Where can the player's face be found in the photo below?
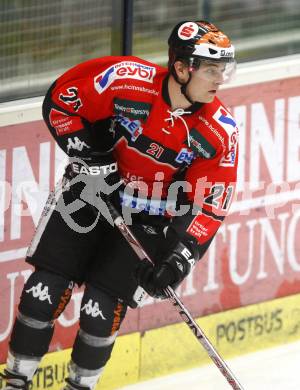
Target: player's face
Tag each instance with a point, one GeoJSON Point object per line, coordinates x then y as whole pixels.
{"type": "Point", "coordinates": [206, 81]}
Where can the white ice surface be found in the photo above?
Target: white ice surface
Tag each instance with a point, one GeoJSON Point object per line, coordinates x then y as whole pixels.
{"type": "Point", "coordinates": [270, 369]}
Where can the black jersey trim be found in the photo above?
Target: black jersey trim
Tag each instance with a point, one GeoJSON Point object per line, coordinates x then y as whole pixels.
{"type": "Point", "coordinates": [143, 143]}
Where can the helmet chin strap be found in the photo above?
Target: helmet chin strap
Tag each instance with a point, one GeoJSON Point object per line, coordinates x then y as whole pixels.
{"type": "Point", "coordinates": [184, 87]}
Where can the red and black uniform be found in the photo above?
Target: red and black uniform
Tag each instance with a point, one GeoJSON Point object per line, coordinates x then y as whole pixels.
{"type": "Point", "coordinates": [154, 146]}
{"type": "Point", "coordinates": [158, 151]}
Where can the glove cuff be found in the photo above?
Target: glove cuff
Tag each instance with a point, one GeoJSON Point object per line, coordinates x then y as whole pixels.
{"type": "Point", "coordinates": [175, 267]}
{"type": "Point", "coordinates": [186, 256]}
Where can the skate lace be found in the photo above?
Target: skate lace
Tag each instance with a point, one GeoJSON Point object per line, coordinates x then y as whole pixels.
{"type": "Point", "coordinates": [177, 114]}
{"type": "Point", "coordinates": [15, 381]}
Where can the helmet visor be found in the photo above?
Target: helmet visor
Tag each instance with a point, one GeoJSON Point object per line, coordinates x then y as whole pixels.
{"type": "Point", "coordinates": [221, 72]}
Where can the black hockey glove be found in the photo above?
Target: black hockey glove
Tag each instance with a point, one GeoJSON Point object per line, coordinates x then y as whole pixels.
{"type": "Point", "coordinates": [93, 176]}
{"type": "Point", "coordinates": [171, 272]}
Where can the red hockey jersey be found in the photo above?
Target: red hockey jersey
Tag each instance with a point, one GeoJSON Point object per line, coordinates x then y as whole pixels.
{"type": "Point", "coordinates": [154, 144]}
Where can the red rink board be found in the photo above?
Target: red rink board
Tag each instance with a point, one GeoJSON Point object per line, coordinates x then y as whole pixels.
{"type": "Point", "coordinates": [256, 253]}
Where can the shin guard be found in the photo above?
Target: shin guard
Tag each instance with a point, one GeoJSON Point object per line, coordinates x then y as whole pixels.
{"type": "Point", "coordinates": [43, 297]}
{"type": "Point", "coordinates": [100, 320]}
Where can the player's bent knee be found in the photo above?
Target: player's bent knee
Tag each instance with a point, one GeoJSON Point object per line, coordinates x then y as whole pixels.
{"type": "Point", "coordinates": [100, 314]}
{"type": "Point", "coordinates": [45, 295]}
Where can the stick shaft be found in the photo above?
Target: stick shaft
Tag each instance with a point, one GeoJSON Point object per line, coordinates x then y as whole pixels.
{"type": "Point", "coordinates": [182, 310]}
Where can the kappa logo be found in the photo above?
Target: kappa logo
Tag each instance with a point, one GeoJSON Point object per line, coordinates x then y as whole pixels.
{"type": "Point", "coordinates": [40, 292]}
{"type": "Point", "coordinates": [76, 144]}
{"type": "Point", "coordinates": [93, 309]}
{"type": "Point", "coordinates": [124, 70]}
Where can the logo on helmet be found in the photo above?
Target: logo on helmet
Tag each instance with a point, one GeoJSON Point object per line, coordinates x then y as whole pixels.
{"type": "Point", "coordinates": [227, 53]}
{"type": "Point", "coordinates": [188, 30]}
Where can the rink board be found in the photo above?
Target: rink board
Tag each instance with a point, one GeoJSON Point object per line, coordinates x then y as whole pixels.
{"type": "Point", "coordinates": [141, 356]}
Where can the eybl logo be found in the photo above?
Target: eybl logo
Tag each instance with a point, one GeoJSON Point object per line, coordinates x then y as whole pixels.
{"type": "Point", "coordinates": [123, 70]}
{"type": "Point", "coordinates": [103, 79]}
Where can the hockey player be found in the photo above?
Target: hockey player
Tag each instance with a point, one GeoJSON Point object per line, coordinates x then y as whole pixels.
{"type": "Point", "coordinates": [150, 135]}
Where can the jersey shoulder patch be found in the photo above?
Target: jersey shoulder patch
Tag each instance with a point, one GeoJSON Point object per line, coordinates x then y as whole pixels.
{"type": "Point", "coordinates": [225, 120]}
{"type": "Point", "coordinates": [200, 145]}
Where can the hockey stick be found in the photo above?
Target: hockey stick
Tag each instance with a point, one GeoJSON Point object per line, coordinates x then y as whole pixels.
{"type": "Point", "coordinates": [182, 310]}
